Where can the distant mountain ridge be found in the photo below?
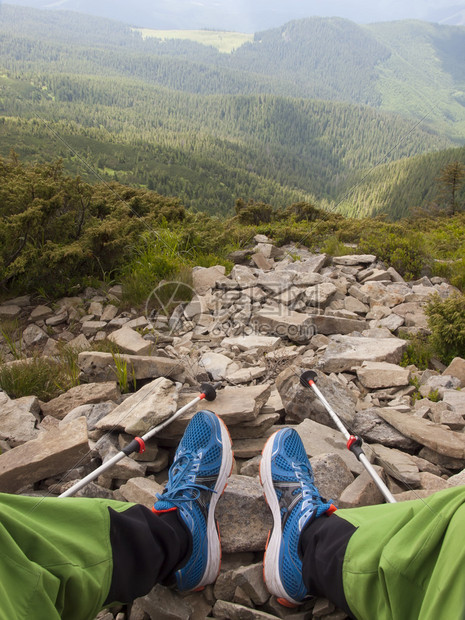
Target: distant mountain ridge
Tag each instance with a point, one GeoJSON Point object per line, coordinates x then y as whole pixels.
{"type": "Point", "coordinates": [247, 17]}
{"type": "Point", "coordinates": [407, 67]}
{"type": "Point", "coordinates": [307, 111]}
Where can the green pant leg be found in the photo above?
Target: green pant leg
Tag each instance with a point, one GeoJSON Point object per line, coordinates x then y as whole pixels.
{"type": "Point", "coordinates": [407, 560]}
{"type": "Point", "coordinates": [55, 557]}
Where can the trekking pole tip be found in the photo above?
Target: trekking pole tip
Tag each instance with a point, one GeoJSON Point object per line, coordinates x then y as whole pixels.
{"type": "Point", "coordinates": [307, 376]}
{"type": "Point", "coordinates": [208, 391]}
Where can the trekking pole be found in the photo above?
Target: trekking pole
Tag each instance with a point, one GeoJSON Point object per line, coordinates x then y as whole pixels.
{"type": "Point", "coordinates": [354, 443]}
{"type": "Point", "coordinates": [208, 392]}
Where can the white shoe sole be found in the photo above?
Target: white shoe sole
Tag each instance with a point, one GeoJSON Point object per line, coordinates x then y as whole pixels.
{"type": "Point", "coordinates": [214, 546]}
{"type": "Point", "coordinates": [271, 573]}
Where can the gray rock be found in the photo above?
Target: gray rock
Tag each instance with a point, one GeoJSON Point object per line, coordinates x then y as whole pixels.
{"type": "Point", "coordinates": [397, 464]}
{"type": "Point", "coordinates": [332, 475]}
{"type": "Point", "coordinates": [87, 393]}
{"type": "Point", "coordinates": [376, 375]}
{"type": "Point", "coordinates": [34, 335]}
{"type": "Point", "coordinates": [235, 405]}
{"type": "Point", "coordinates": [17, 422]}
{"type": "Point", "coordinates": [371, 427]}
{"type": "Point", "coordinates": [301, 402]}
{"type": "Point", "coordinates": [146, 408]}
{"type": "Point", "coordinates": [217, 364]}
{"type": "Point", "coordinates": [295, 326]}
{"type": "Point", "coordinates": [130, 341]}
{"type": "Point", "coordinates": [51, 453]}
{"type": "Point", "coordinates": [440, 460]}
{"type": "Point", "coordinates": [9, 311]}
{"type": "Point", "coordinates": [362, 492]}
{"type": "Point", "coordinates": [165, 604]}
{"type": "Point", "coordinates": [250, 580]}
{"type": "Point", "coordinates": [263, 344]}
{"type": "Point", "coordinates": [243, 516]}
{"type": "Point", "coordinates": [458, 479]}
{"type": "Point", "coordinates": [232, 611]}
{"type": "Point", "coordinates": [346, 352]}
{"type": "Point", "coordinates": [456, 369]}
{"type": "Point", "coordinates": [204, 278]}
{"type": "Point", "coordinates": [92, 412]}
{"type": "Point", "coordinates": [434, 436]}
{"type": "Point", "coordinates": [40, 313]}
{"type": "Point", "coordinates": [90, 328]}
{"type": "Point", "coordinates": [97, 366]}
{"type": "Point", "coordinates": [141, 491]}
{"type": "Point", "coordinates": [329, 325]}
{"type": "Point", "coordinates": [354, 259]}
{"type": "Point", "coordinates": [319, 439]}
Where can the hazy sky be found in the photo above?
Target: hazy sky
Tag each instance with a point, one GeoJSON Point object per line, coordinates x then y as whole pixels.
{"type": "Point", "coordinates": [253, 15]}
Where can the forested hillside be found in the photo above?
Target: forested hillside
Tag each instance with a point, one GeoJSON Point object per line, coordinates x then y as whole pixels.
{"type": "Point", "coordinates": [186, 120]}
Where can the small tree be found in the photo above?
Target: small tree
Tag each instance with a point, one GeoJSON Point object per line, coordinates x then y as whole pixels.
{"type": "Point", "coordinates": [451, 179]}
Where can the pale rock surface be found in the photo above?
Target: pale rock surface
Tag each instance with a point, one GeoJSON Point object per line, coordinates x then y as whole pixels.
{"type": "Point", "coordinates": [144, 409]}
{"type": "Point", "coordinates": [84, 394]}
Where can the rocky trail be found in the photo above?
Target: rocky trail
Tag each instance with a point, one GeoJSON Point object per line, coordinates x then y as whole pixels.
{"type": "Point", "coordinates": [252, 333]}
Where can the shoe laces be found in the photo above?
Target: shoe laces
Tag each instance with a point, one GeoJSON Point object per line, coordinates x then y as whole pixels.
{"type": "Point", "coordinates": [311, 497]}
{"type": "Point", "coordinates": [181, 486]}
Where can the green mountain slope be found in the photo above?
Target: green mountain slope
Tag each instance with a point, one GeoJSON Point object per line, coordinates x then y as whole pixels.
{"type": "Point", "coordinates": [403, 186]}
{"type": "Point", "coordinates": [408, 67]}
{"type": "Point", "coordinates": [208, 150]}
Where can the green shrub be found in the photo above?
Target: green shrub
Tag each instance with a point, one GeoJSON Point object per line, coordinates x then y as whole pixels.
{"type": "Point", "coordinates": [402, 250]}
{"type": "Point", "coordinates": [419, 351]}
{"type": "Point", "coordinates": [253, 212]}
{"type": "Point", "coordinates": [446, 320]}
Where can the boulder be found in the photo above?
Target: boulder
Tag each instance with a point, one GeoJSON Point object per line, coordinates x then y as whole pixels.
{"type": "Point", "coordinates": [346, 352]}
{"type": "Point", "coordinates": [97, 366]}
{"type": "Point", "coordinates": [204, 278]}
{"type": "Point", "coordinates": [146, 408]}
{"type": "Point", "coordinates": [17, 422]}
{"type": "Point", "coordinates": [51, 453]}
{"type": "Point", "coordinates": [376, 375]}
{"type": "Point", "coordinates": [243, 516]}
{"type": "Point", "coordinates": [84, 394]}
{"type": "Point", "coordinates": [434, 436]}
{"type": "Point", "coordinates": [130, 341]}
{"type": "Point", "coordinates": [301, 402]}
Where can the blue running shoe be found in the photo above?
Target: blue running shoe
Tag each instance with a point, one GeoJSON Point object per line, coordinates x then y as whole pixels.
{"type": "Point", "coordinates": [197, 478]}
{"type": "Point", "coordinates": [287, 479]}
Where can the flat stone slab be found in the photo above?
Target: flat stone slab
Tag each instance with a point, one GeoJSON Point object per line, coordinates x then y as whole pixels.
{"type": "Point", "coordinates": [397, 464]}
{"type": "Point", "coordinates": [87, 393]}
{"type": "Point", "coordinates": [234, 405]}
{"type": "Point", "coordinates": [131, 341]}
{"type": "Point", "coordinates": [434, 436]}
{"type": "Point", "coordinates": [376, 375]}
{"type": "Point", "coordinates": [346, 352]}
{"type": "Point", "coordinates": [354, 259]}
{"type": "Point", "coordinates": [329, 325]}
{"type": "Point", "coordinates": [52, 453]}
{"type": "Point", "coordinates": [263, 344]}
{"type": "Point", "coordinates": [97, 366]}
{"type": "Point", "coordinates": [144, 409]}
